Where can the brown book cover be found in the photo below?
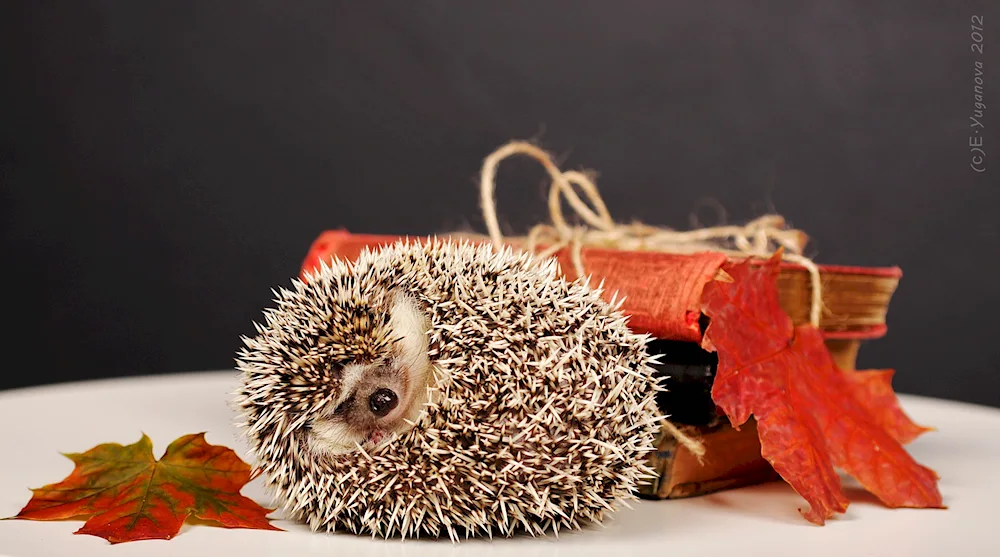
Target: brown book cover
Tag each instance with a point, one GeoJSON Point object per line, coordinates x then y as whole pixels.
{"type": "Point", "coordinates": [732, 459]}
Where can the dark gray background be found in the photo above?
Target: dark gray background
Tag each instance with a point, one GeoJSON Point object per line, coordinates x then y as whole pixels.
{"type": "Point", "coordinates": [164, 164]}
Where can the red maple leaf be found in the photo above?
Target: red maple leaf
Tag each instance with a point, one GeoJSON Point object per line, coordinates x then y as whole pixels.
{"type": "Point", "coordinates": [125, 494]}
{"type": "Point", "coordinates": [811, 416]}
{"type": "Point", "coordinates": [874, 391]}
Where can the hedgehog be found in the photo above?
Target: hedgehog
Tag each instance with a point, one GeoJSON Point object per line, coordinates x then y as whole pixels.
{"type": "Point", "coordinates": [447, 388]}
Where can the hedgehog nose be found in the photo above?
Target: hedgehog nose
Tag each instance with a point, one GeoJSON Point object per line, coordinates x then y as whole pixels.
{"type": "Point", "coordinates": [382, 401]}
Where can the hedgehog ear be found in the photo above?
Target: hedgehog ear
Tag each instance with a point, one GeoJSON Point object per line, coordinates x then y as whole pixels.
{"type": "Point", "coordinates": [409, 325]}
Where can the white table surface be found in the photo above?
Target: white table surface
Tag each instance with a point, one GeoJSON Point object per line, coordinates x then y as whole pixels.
{"type": "Point", "coordinates": [39, 423]}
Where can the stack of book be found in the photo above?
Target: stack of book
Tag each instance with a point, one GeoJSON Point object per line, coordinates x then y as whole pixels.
{"type": "Point", "coordinates": [662, 297]}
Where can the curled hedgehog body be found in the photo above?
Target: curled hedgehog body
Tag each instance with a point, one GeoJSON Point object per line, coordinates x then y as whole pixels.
{"type": "Point", "coordinates": [444, 388]}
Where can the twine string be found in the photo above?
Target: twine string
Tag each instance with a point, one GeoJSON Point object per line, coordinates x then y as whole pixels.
{"type": "Point", "coordinates": [761, 237]}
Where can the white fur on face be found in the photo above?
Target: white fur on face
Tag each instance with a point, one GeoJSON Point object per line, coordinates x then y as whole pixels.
{"type": "Point", "coordinates": [408, 360]}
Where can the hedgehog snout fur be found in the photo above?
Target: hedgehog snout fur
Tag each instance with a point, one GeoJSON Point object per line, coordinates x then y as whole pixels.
{"type": "Point", "coordinates": [381, 399]}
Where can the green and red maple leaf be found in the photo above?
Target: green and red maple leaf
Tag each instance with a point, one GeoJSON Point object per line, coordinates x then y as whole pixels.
{"type": "Point", "coordinates": [125, 494]}
{"type": "Point", "coordinates": [811, 416]}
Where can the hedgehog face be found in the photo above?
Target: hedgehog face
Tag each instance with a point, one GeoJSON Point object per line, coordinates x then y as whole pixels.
{"type": "Point", "coordinates": [382, 397]}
